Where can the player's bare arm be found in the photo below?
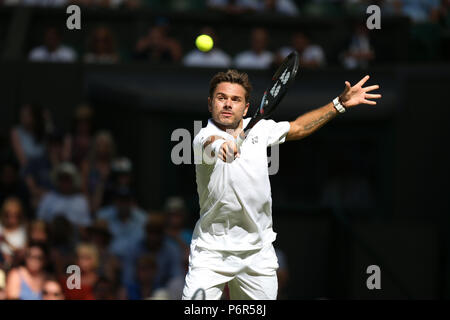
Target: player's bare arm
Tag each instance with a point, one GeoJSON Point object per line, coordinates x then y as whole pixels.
{"type": "Point", "coordinates": [352, 96]}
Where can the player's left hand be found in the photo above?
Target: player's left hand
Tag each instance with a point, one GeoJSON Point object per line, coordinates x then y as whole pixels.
{"type": "Point", "coordinates": [353, 96]}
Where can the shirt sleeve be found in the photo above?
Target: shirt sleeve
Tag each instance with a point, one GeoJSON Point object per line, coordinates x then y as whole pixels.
{"type": "Point", "coordinates": [277, 131]}
{"type": "Point", "coordinates": [197, 145]}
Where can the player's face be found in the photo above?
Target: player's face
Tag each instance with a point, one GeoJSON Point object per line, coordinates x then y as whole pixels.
{"type": "Point", "coordinates": [228, 105]}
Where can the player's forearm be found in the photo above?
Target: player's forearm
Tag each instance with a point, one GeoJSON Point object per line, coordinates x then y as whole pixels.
{"type": "Point", "coordinates": [311, 121]}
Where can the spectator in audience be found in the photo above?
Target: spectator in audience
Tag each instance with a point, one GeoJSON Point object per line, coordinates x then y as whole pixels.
{"type": "Point", "coordinates": [96, 169]}
{"type": "Point", "coordinates": [105, 289]}
{"type": "Point", "coordinates": [360, 51]}
{"type": "Point", "coordinates": [311, 55]}
{"type": "Point", "coordinates": [78, 143]}
{"type": "Point", "coordinates": [12, 186]}
{"type": "Point", "coordinates": [126, 222]}
{"type": "Point", "coordinates": [176, 218]}
{"type": "Point", "coordinates": [215, 58]}
{"type": "Point", "coordinates": [109, 265]}
{"type": "Point", "coordinates": [52, 50]}
{"type": "Point", "coordinates": [66, 200]}
{"type": "Point", "coordinates": [146, 270]}
{"type": "Point", "coordinates": [101, 47]}
{"type": "Point", "coordinates": [37, 172]}
{"type": "Point", "coordinates": [38, 231]}
{"type": "Point", "coordinates": [88, 261]}
{"type": "Point", "coordinates": [121, 177]}
{"type": "Point", "coordinates": [27, 138]}
{"type": "Point", "coordinates": [13, 234]}
{"type": "Point", "coordinates": [176, 285]}
{"type": "Point", "coordinates": [52, 290]}
{"type": "Point", "coordinates": [62, 242]}
{"type": "Point", "coordinates": [168, 254]}
{"type": "Point", "coordinates": [122, 169]}
{"type": "Point", "coordinates": [25, 282]}
{"type": "Point", "coordinates": [258, 57]}
{"type": "Point", "coordinates": [157, 47]}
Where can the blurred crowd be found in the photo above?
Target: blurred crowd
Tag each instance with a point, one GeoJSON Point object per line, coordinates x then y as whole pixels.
{"type": "Point", "coordinates": [430, 21]}
{"type": "Point", "coordinates": [417, 10]}
{"type": "Point", "coordinates": [158, 47]}
{"type": "Point", "coordinates": [68, 199]}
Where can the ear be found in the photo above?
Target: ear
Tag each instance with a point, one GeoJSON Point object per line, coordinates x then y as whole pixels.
{"type": "Point", "coordinates": [246, 108]}
{"type": "Point", "coordinates": [209, 104]}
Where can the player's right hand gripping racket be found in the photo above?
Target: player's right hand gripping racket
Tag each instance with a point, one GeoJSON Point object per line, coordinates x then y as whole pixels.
{"type": "Point", "coordinates": [273, 95]}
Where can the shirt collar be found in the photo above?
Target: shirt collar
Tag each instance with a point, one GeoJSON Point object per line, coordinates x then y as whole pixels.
{"type": "Point", "coordinates": [213, 125]}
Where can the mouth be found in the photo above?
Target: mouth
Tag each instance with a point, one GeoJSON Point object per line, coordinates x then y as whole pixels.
{"type": "Point", "coordinates": [226, 114]}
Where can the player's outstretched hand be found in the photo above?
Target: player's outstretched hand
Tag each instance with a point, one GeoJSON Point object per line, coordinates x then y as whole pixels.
{"type": "Point", "coordinates": [228, 151]}
{"type": "Point", "coordinates": [353, 96]}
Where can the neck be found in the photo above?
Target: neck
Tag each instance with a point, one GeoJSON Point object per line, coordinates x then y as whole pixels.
{"type": "Point", "coordinates": [234, 130]}
{"type": "Point", "coordinates": [33, 273]}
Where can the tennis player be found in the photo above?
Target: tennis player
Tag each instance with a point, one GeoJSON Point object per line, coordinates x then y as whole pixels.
{"type": "Point", "coordinates": [232, 240]}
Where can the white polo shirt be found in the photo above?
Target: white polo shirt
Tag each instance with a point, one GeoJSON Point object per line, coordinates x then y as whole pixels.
{"type": "Point", "coordinates": [235, 198]}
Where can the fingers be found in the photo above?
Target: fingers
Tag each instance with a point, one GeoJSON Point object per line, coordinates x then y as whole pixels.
{"type": "Point", "coordinates": [372, 103]}
{"type": "Point", "coordinates": [363, 80]}
{"type": "Point", "coordinates": [347, 87]}
{"type": "Point", "coordinates": [228, 152]}
{"type": "Point", "coordinates": [370, 88]}
{"type": "Point", "coordinates": [372, 96]}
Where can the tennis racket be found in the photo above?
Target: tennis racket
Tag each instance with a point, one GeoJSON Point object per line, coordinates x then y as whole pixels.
{"type": "Point", "coordinates": [199, 292]}
{"type": "Point", "coordinates": [274, 93]}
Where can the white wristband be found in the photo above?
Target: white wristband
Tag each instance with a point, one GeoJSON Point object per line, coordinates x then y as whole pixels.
{"type": "Point", "coordinates": [208, 157]}
{"type": "Point", "coordinates": [216, 145]}
{"type": "Point", "coordinates": [338, 105]}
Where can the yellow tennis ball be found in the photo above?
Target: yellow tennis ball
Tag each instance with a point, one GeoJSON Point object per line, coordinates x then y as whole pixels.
{"type": "Point", "coordinates": [204, 43]}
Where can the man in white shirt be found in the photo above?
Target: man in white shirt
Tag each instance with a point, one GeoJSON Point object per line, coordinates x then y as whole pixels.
{"type": "Point", "coordinates": [232, 240]}
{"type": "Point", "coordinates": [67, 200]}
{"type": "Point", "coordinates": [258, 57]}
{"type": "Point", "coordinates": [52, 50]}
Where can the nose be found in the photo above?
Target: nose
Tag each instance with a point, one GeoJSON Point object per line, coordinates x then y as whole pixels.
{"type": "Point", "coordinates": [228, 103]}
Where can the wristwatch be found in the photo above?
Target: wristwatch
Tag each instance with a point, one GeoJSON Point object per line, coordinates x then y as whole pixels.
{"type": "Point", "coordinates": [338, 105]}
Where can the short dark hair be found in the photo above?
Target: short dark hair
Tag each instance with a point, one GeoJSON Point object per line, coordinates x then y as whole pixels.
{"type": "Point", "coordinates": [232, 76]}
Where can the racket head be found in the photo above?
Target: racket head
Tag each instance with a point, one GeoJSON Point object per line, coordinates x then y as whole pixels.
{"type": "Point", "coordinates": [281, 80]}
